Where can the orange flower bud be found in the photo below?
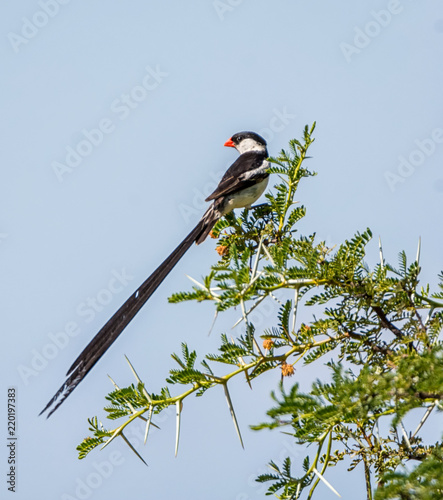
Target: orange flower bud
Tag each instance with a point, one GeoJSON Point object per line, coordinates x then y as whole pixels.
{"type": "Point", "coordinates": [222, 250]}
{"type": "Point", "coordinates": [287, 370]}
{"type": "Point", "coordinates": [268, 344]}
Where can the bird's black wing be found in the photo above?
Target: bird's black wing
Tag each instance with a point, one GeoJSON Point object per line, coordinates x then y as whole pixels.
{"type": "Point", "coordinates": [240, 175]}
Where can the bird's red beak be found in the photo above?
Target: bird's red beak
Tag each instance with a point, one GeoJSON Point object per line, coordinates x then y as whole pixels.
{"type": "Point", "coordinates": [229, 143]}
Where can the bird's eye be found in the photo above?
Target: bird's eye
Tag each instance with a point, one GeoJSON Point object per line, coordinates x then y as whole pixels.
{"type": "Point", "coordinates": [239, 138]}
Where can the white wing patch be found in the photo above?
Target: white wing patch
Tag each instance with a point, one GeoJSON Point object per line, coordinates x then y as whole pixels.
{"type": "Point", "coordinates": [257, 171]}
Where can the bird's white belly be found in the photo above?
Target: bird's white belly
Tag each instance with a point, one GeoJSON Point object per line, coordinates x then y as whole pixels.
{"type": "Point", "coordinates": [246, 197]}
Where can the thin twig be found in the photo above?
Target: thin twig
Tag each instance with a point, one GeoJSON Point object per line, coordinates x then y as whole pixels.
{"type": "Point", "coordinates": [367, 479]}
{"type": "Point", "coordinates": [386, 323]}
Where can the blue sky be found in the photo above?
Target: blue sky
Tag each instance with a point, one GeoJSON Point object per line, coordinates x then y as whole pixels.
{"type": "Point", "coordinates": [113, 121]}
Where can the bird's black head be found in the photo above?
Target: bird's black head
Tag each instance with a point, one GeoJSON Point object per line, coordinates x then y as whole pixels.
{"type": "Point", "coordinates": [240, 136]}
{"type": "Point", "coordinates": [246, 141]}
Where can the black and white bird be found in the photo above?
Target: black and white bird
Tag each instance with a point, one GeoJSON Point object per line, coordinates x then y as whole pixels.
{"type": "Point", "coordinates": [242, 184]}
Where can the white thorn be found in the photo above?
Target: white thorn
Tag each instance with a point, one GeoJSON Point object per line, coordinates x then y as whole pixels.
{"type": "Point", "coordinates": [328, 484]}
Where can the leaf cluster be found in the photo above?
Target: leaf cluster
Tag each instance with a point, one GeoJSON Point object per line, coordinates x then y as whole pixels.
{"type": "Point", "coordinates": [375, 328]}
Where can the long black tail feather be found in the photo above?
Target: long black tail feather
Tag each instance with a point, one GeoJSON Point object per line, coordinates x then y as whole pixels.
{"type": "Point", "coordinates": [118, 322]}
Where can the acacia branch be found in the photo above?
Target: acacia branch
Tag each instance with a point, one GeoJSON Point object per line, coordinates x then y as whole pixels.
{"type": "Point", "coordinates": [386, 323]}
